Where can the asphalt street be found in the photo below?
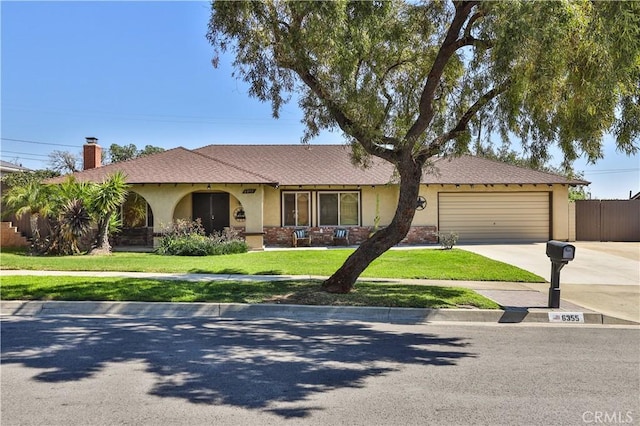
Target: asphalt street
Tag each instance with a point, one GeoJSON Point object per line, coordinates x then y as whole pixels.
{"type": "Point", "coordinates": [175, 371]}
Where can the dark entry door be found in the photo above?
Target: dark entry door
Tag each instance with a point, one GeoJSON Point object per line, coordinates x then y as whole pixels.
{"type": "Point", "coordinates": [212, 209]}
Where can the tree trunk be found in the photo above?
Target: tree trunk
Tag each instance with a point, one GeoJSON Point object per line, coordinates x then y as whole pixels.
{"type": "Point", "coordinates": [343, 280]}
{"type": "Point", "coordinates": [35, 230]}
{"type": "Point", "coordinates": [102, 239]}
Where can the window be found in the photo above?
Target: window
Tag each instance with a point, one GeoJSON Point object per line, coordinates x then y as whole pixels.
{"type": "Point", "coordinates": [296, 209]}
{"type": "Point", "coordinates": [339, 208]}
{"type": "Point", "coordinates": [135, 212]}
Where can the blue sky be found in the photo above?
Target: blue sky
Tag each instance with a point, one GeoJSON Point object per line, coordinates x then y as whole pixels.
{"type": "Point", "coordinates": [141, 73]}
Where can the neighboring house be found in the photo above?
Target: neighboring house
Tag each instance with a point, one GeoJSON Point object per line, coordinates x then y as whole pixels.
{"type": "Point", "coordinates": [266, 191]}
{"type": "Point", "coordinates": [6, 167]}
{"type": "Point", "coordinates": [9, 235]}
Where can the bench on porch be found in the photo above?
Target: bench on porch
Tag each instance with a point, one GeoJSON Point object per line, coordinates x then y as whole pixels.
{"type": "Point", "coordinates": [340, 235]}
{"type": "Point", "coordinates": [301, 236]}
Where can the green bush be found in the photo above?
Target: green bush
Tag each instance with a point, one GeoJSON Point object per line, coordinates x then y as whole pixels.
{"type": "Point", "coordinates": [187, 238]}
{"type": "Point", "coordinates": [447, 239]}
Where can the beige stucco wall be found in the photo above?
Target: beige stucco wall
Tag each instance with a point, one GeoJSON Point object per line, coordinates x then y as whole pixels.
{"type": "Point", "coordinates": [272, 206]}
{"type": "Point", "coordinates": [263, 208]}
{"type": "Point", "coordinates": [428, 216]}
{"type": "Point", "coordinates": [388, 200]}
{"type": "Point", "coordinates": [560, 209]}
{"type": "Point", "coordinates": [173, 201]}
{"type": "Point", "coordinates": [184, 208]}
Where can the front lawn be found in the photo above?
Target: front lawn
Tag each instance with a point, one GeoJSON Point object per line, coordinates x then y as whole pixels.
{"type": "Point", "coordinates": [300, 292]}
{"type": "Point", "coordinates": [434, 264]}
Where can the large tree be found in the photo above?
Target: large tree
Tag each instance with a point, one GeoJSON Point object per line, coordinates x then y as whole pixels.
{"type": "Point", "coordinates": [405, 81]}
{"type": "Point", "coordinates": [23, 178]}
{"type": "Point", "coordinates": [119, 153]}
{"type": "Point", "coordinates": [64, 161]}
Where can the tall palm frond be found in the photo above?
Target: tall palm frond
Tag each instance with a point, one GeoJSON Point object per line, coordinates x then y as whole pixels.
{"type": "Point", "coordinates": [106, 198]}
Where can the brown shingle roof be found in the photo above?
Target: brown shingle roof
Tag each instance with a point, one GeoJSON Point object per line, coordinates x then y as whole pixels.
{"type": "Point", "coordinates": [304, 165]}
{"type": "Point", "coordinates": [471, 170]}
{"type": "Point", "coordinates": [178, 165]}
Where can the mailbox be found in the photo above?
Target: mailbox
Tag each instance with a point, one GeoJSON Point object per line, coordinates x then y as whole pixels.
{"type": "Point", "coordinates": [560, 254]}
{"type": "Point", "coordinates": [560, 251]}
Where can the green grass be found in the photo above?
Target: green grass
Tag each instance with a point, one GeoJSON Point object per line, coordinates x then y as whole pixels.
{"type": "Point", "coordinates": [423, 263]}
{"type": "Point", "coordinates": [300, 292]}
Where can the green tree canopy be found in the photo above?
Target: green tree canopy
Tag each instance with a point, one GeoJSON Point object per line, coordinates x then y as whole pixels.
{"type": "Point", "coordinates": [405, 81]}
{"type": "Point", "coordinates": [22, 178]}
{"type": "Point", "coordinates": [119, 153]}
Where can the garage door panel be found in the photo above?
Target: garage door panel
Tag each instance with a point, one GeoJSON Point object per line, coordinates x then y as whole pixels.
{"type": "Point", "coordinates": [495, 216]}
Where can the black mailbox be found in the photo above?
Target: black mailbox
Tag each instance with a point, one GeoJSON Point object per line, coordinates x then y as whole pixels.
{"type": "Point", "coordinates": [560, 254]}
{"type": "Point", "coordinates": [560, 251]}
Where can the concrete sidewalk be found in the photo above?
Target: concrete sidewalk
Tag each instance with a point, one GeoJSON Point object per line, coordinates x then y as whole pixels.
{"type": "Point", "coordinates": [520, 303]}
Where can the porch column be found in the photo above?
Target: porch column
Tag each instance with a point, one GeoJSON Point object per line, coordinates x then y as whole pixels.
{"type": "Point", "coordinates": [253, 205]}
{"type": "Point", "coordinates": [560, 213]}
{"type": "Point", "coordinates": [162, 200]}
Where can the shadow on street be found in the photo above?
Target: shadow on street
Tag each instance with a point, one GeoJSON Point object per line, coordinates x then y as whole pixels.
{"type": "Point", "coordinates": [249, 364]}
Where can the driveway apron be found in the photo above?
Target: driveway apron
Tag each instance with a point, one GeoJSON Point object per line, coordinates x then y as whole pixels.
{"type": "Point", "coordinates": [604, 277]}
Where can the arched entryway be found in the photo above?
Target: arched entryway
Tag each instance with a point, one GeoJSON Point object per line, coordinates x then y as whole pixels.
{"type": "Point", "coordinates": [136, 218]}
{"type": "Point", "coordinates": [243, 211]}
{"type": "Point", "coordinates": [212, 208]}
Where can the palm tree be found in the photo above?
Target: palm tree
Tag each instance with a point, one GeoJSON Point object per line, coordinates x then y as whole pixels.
{"type": "Point", "coordinates": [32, 198]}
{"type": "Point", "coordinates": [105, 199]}
{"type": "Point", "coordinates": [75, 222]}
{"type": "Point", "coordinates": [69, 219]}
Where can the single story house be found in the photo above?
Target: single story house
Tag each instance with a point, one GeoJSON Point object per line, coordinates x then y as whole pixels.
{"type": "Point", "coordinates": [7, 167]}
{"type": "Point", "coordinates": [267, 191]}
{"type": "Point", "coordinates": [9, 235]}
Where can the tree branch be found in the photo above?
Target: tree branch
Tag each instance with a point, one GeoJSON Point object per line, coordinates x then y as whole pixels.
{"type": "Point", "coordinates": [461, 125]}
{"type": "Point", "coordinates": [385, 92]}
{"type": "Point", "coordinates": [476, 42]}
{"type": "Point", "coordinates": [301, 68]}
{"type": "Point", "coordinates": [347, 126]}
{"type": "Point", "coordinates": [472, 20]}
{"type": "Point", "coordinates": [447, 49]}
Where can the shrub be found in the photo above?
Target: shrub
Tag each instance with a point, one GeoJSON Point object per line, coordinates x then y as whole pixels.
{"type": "Point", "coordinates": [447, 239]}
{"type": "Point", "coordinates": [187, 238]}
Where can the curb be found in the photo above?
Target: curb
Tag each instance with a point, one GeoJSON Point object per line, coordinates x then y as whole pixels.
{"type": "Point", "coordinates": [307, 313]}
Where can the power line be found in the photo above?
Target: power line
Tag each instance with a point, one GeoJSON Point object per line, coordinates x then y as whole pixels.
{"type": "Point", "coordinates": [163, 117]}
{"type": "Point", "coordinates": [22, 157]}
{"type": "Point", "coordinates": [610, 171]}
{"type": "Point", "coordinates": [39, 143]}
{"type": "Point", "coordinates": [24, 153]}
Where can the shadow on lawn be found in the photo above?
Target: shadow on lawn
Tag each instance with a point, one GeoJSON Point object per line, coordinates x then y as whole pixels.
{"type": "Point", "coordinates": [234, 271]}
{"type": "Point", "coordinates": [226, 271]}
{"type": "Point", "coordinates": [247, 364]}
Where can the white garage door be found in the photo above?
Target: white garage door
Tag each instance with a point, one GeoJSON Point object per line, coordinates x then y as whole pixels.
{"type": "Point", "coordinates": [491, 216]}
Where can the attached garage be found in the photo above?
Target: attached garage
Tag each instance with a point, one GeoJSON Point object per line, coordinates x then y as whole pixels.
{"type": "Point", "coordinates": [495, 216]}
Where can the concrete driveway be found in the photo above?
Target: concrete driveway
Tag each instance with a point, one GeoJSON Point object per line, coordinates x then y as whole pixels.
{"type": "Point", "coordinates": [604, 277]}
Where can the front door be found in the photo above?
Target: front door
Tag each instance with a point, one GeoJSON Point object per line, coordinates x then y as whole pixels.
{"type": "Point", "coordinates": [212, 209]}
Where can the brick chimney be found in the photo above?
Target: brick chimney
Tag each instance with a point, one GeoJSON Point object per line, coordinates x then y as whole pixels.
{"type": "Point", "coordinates": [92, 154]}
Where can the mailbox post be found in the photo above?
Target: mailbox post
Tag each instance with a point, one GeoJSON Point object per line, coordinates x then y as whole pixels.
{"type": "Point", "coordinates": [560, 254]}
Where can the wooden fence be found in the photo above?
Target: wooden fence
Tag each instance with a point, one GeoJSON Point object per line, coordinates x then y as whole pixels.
{"type": "Point", "coordinates": [608, 220]}
{"type": "Point", "coordinates": [24, 226]}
